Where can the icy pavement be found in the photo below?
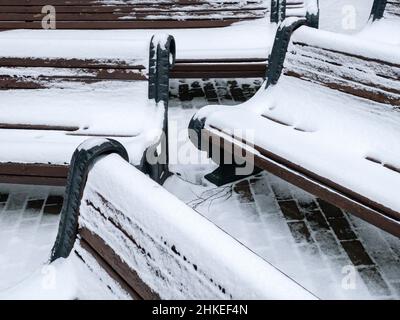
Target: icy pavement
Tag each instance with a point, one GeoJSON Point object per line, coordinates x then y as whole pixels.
{"type": "Point", "coordinates": [29, 217]}
{"type": "Point", "coordinates": [331, 253]}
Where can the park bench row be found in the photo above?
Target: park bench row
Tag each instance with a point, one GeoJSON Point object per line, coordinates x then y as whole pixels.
{"type": "Point", "coordinates": [211, 45]}
{"type": "Point", "coordinates": [326, 120]}
{"type": "Point", "coordinates": [58, 87]}
{"type": "Point", "coordinates": [138, 14]}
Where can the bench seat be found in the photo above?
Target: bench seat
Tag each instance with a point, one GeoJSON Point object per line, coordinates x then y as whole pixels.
{"type": "Point", "coordinates": [55, 121]}
{"type": "Point", "coordinates": [53, 100]}
{"type": "Point", "coordinates": [335, 136]}
{"type": "Point", "coordinates": [202, 52]}
{"type": "Point", "coordinates": [329, 124]}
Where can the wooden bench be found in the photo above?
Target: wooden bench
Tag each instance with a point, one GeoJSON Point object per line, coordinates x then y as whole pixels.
{"type": "Point", "coordinates": [145, 249]}
{"type": "Point", "coordinates": [385, 9]}
{"type": "Point", "coordinates": [329, 125]}
{"type": "Point", "coordinates": [79, 89]}
{"type": "Point", "coordinates": [228, 50]}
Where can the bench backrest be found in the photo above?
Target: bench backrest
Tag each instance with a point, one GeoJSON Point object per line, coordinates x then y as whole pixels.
{"type": "Point", "coordinates": [142, 14]}
{"type": "Point", "coordinates": [354, 67]}
{"type": "Point", "coordinates": [347, 64]}
{"type": "Point", "coordinates": [392, 9]}
{"type": "Point", "coordinates": [39, 69]}
{"type": "Point", "coordinates": [129, 14]}
{"type": "Point", "coordinates": [385, 9]}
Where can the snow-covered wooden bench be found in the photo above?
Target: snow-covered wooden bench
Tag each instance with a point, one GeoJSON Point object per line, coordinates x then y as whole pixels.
{"type": "Point", "coordinates": [330, 124]}
{"type": "Point", "coordinates": [59, 94]}
{"type": "Point", "coordinates": [146, 249]}
{"type": "Point", "coordinates": [217, 38]}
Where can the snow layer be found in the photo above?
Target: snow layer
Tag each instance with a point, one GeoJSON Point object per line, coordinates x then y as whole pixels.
{"type": "Point", "coordinates": [251, 39]}
{"type": "Point", "coordinates": [339, 133]}
{"type": "Point", "coordinates": [158, 225]}
{"type": "Point", "coordinates": [385, 31]}
{"type": "Point", "coordinates": [360, 46]}
{"type": "Point", "coordinates": [111, 108]}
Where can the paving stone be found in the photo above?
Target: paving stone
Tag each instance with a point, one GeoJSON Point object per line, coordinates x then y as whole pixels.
{"type": "Point", "coordinates": [330, 210]}
{"type": "Point", "coordinates": [196, 90]}
{"type": "Point", "coordinates": [290, 210]}
{"type": "Point", "coordinates": [396, 288]}
{"type": "Point", "coordinates": [243, 189]}
{"type": "Point", "coordinates": [357, 253]}
{"type": "Point", "coordinates": [328, 243]}
{"type": "Point", "coordinates": [53, 205]}
{"type": "Point", "coordinates": [342, 228]}
{"type": "Point", "coordinates": [374, 281]}
{"type": "Point", "coordinates": [16, 202]}
{"type": "Point", "coordinates": [210, 93]}
{"type": "Point", "coordinates": [184, 92]}
{"type": "Point", "coordinates": [314, 216]}
{"type": "Point", "coordinates": [300, 231]}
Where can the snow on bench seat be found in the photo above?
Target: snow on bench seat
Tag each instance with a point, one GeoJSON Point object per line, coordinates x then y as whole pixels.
{"type": "Point", "coordinates": [209, 48]}
{"type": "Point", "coordinates": [201, 51]}
{"type": "Point", "coordinates": [115, 109]}
{"type": "Point", "coordinates": [80, 89]}
{"type": "Point", "coordinates": [335, 137]}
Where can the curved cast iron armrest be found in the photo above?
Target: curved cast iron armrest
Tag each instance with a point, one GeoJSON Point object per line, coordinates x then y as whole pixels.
{"type": "Point", "coordinates": [161, 61]}
{"type": "Point", "coordinates": [279, 49]}
{"type": "Point", "coordinates": [84, 156]}
{"type": "Point", "coordinates": [278, 11]}
{"type": "Point", "coordinates": [378, 9]}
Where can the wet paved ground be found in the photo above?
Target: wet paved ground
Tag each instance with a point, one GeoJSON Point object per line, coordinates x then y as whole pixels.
{"type": "Point", "coordinates": [326, 250]}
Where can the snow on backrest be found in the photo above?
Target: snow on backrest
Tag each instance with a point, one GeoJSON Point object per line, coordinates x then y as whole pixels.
{"type": "Point", "coordinates": [392, 9]}
{"type": "Point", "coordinates": [344, 63]}
{"type": "Point", "coordinates": [300, 8]}
{"type": "Point", "coordinates": [174, 250]}
{"type": "Point", "coordinates": [131, 14]}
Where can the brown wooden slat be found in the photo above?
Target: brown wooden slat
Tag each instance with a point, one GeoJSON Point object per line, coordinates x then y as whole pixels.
{"type": "Point", "coordinates": [218, 70]}
{"type": "Point", "coordinates": [107, 268]}
{"type": "Point", "coordinates": [120, 267]}
{"type": "Point", "coordinates": [33, 180]}
{"type": "Point", "coordinates": [361, 76]}
{"type": "Point", "coordinates": [159, 24]}
{"type": "Point", "coordinates": [136, 16]}
{"type": "Point", "coordinates": [150, 9]}
{"type": "Point", "coordinates": [126, 2]}
{"type": "Point", "coordinates": [35, 169]}
{"type": "Point", "coordinates": [70, 63]}
{"type": "Point", "coordinates": [366, 209]}
{"type": "Point", "coordinates": [17, 126]}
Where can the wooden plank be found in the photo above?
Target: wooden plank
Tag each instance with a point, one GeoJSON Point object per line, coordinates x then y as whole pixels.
{"type": "Point", "coordinates": [34, 170]}
{"type": "Point", "coordinates": [118, 265]}
{"type": "Point", "coordinates": [71, 63]}
{"type": "Point", "coordinates": [108, 269]}
{"type": "Point", "coordinates": [20, 126]}
{"type": "Point", "coordinates": [183, 70]}
{"type": "Point", "coordinates": [159, 24]}
{"type": "Point", "coordinates": [135, 16]}
{"type": "Point", "coordinates": [357, 75]}
{"type": "Point", "coordinates": [150, 9]}
{"type": "Point", "coordinates": [356, 204]}
{"type": "Point", "coordinates": [33, 180]}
